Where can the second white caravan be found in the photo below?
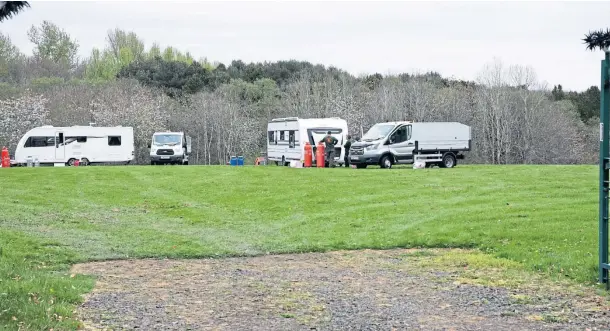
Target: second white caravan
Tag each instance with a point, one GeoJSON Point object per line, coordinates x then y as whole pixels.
{"type": "Point", "coordinates": [88, 144]}
{"type": "Point", "coordinates": [286, 137]}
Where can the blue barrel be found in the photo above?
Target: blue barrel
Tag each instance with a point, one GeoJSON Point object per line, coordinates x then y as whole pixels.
{"type": "Point", "coordinates": [240, 160]}
{"type": "Point", "coordinates": [233, 161]}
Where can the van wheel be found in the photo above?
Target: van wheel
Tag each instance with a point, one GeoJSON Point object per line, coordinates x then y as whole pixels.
{"type": "Point", "coordinates": [386, 162]}
{"type": "Point", "coordinates": [361, 166]}
{"type": "Point", "coordinates": [185, 163]}
{"type": "Point", "coordinates": [71, 162]}
{"type": "Point", "coordinates": [449, 161]}
{"type": "Point", "coordinates": [84, 161]}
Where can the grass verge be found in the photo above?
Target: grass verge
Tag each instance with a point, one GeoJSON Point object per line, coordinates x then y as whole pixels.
{"type": "Point", "coordinates": [541, 217]}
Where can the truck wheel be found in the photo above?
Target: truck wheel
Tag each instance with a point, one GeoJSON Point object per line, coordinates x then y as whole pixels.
{"type": "Point", "coordinates": [386, 162]}
{"type": "Point", "coordinates": [449, 161]}
{"type": "Point", "coordinates": [361, 166]}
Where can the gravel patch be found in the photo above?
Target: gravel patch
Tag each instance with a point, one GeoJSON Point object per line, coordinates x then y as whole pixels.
{"type": "Point", "coordinates": [346, 290]}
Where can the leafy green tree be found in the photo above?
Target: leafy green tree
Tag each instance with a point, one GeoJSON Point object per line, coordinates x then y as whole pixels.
{"type": "Point", "coordinates": [174, 77]}
{"type": "Point", "coordinates": [12, 61]}
{"type": "Point", "coordinates": [587, 102]}
{"type": "Point", "coordinates": [53, 44]}
{"type": "Point", "coordinates": [102, 65]}
{"type": "Point", "coordinates": [154, 51]}
{"type": "Point", "coordinates": [557, 93]}
{"type": "Point", "coordinates": [119, 42]}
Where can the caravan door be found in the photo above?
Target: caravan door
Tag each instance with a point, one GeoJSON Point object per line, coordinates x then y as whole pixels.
{"type": "Point", "coordinates": [60, 147]}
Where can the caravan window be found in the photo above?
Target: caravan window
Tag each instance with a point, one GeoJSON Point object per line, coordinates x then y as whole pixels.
{"type": "Point", "coordinates": [39, 142]}
{"type": "Point", "coordinates": [281, 135]}
{"type": "Point", "coordinates": [114, 140]}
{"type": "Point", "coordinates": [290, 139]}
{"type": "Point", "coordinates": [77, 139]}
{"type": "Point", "coordinates": [271, 137]}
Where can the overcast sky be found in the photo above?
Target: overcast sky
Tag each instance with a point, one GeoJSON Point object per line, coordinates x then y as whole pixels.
{"type": "Point", "coordinates": [453, 38]}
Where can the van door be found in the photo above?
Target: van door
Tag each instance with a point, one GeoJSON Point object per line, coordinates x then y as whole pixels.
{"type": "Point", "coordinates": [400, 145]}
{"type": "Point", "coordinates": [60, 147]}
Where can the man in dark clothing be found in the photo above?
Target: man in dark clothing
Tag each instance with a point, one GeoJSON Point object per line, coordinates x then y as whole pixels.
{"type": "Point", "coordinates": [329, 148]}
{"type": "Point", "coordinates": [347, 146]}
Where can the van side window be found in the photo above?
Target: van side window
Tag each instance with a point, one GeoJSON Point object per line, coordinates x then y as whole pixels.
{"type": "Point", "coordinates": [399, 135]}
{"type": "Point", "coordinates": [114, 140]}
{"type": "Point", "coordinates": [271, 137]}
{"type": "Point", "coordinates": [39, 142]}
{"type": "Point", "coordinates": [281, 135]}
{"type": "Point", "coordinates": [291, 139]}
{"type": "Point", "coordinates": [408, 132]}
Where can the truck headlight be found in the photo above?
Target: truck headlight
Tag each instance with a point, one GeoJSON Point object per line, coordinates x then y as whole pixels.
{"type": "Point", "coordinates": [371, 148]}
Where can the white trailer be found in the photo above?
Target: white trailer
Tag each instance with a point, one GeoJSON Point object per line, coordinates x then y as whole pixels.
{"type": "Point", "coordinates": [170, 148]}
{"type": "Point", "coordinates": [88, 144]}
{"type": "Point", "coordinates": [286, 137]}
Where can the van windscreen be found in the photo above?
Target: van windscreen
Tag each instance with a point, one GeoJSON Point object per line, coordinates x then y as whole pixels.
{"type": "Point", "coordinates": [167, 139]}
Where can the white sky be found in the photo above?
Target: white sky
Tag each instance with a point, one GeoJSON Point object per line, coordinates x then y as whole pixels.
{"type": "Point", "coordinates": [453, 38]}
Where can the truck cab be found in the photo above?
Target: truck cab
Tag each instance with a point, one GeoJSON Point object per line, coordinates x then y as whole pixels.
{"type": "Point", "coordinates": [377, 145]}
{"type": "Point", "coordinates": [170, 148]}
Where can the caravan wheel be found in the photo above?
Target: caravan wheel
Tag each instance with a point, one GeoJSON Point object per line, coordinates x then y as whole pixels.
{"type": "Point", "coordinates": [71, 162]}
{"type": "Point", "coordinates": [84, 161]}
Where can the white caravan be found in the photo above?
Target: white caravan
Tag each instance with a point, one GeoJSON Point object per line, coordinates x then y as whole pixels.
{"type": "Point", "coordinates": [88, 144]}
{"type": "Point", "coordinates": [170, 147]}
{"type": "Point", "coordinates": [286, 137]}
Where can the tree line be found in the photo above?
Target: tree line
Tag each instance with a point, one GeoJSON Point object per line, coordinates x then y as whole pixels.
{"type": "Point", "coordinates": [225, 108]}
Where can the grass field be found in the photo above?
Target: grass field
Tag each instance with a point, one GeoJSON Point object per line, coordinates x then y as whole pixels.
{"type": "Point", "coordinates": [544, 217]}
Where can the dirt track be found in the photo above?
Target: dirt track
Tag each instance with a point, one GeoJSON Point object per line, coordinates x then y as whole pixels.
{"type": "Point", "coordinates": [355, 290]}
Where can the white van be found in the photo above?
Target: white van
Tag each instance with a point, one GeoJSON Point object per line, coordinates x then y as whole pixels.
{"type": "Point", "coordinates": [286, 137]}
{"type": "Point", "coordinates": [88, 144]}
{"type": "Point", "coordinates": [436, 143]}
{"type": "Point", "coordinates": [170, 148]}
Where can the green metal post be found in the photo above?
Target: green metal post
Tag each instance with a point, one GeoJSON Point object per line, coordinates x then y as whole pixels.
{"type": "Point", "coordinates": [604, 180]}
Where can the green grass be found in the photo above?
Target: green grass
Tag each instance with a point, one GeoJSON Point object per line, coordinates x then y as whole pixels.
{"type": "Point", "coordinates": [544, 217]}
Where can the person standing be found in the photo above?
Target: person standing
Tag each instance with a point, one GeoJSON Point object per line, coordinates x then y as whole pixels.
{"type": "Point", "coordinates": [347, 146]}
{"type": "Point", "coordinates": [329, 148]}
